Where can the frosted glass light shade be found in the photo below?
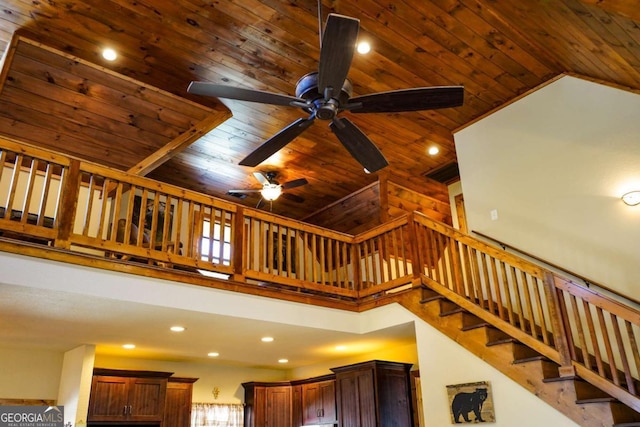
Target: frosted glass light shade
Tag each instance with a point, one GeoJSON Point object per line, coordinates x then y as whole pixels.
{"type": "Point", "coordinates": [271, 192]}
{"type": "Point", "coordinates": [631, 198]}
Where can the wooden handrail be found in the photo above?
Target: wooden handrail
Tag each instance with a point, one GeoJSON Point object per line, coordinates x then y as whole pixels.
{"type": "Point", "coordinates": [588, 282]}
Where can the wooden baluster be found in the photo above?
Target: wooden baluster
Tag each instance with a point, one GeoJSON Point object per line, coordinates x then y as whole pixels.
{"type": "Point", "coordinates": [560, 324]}
{"type": "Point", "coordinates": [633, 343]}
{"type": "Point", "coordinates": [604, 331]}
{"type": "Point", "coordinates": [31, 180]}
{"type": "Point", "coordinates": [586, 358]}
{"type": "Point", "coordinates": [537, 289]}
{"type": "Point", "coordinates": [240, 251]}
{"type": "Point", "coordinates": [594, 338]}
{"type": "Point", "coordinates": [623, 354]}
{"type": "Point", "coordinates": [69, 203]}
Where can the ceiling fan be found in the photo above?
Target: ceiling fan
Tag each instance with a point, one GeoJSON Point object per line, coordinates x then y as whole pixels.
{"type": "Point", "coordinates": [271, 189]}
{"type": "Point", "coordinates": [323, 94]}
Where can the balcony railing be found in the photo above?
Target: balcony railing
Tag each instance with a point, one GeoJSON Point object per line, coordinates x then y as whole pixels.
{"type": "Point", "coordinates": [80, 207]}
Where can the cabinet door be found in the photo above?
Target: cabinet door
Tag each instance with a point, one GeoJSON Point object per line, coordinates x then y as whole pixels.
{"type": "Point", "coordinates": [311, 402]}
{"type": "Point", "coordinates": [278, 407]}
{"type": "Point", "coordinates": [296, 406]}
{"type": "Point", "coordinates": [356, 399]}
{"type": "Point", "coordinates": [146, 399]}
{"type": "Point", "coordinates": [109, 398]}
{"type": "Point", "coordinates": [328, 402]}
{"type": "Point", "coordinates": [319, 402]}
{"type": "Point", "coordinates": [177, 408]}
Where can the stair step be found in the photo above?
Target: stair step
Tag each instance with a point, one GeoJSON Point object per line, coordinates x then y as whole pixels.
{"type": "Point", "coordinates": [529, 359]}
{"type": "Point", "coordinates": [429, 295]}
{"type": "Point", "coordinates": [475, 326]}
{"type": "Point", "coordinates": [560, 379]}
{"type": "Point", "coordinates": [448, 308]}
{"type": "Point", "coordinates": [596, 400]}
{"type": "Point", "coordinates": [507, 340]}
{"type": "Point", "coordinates": [523, 354]}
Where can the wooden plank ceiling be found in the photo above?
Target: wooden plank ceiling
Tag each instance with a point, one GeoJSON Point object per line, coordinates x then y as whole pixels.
{"type": "Point", "coordinates": [134, 113]}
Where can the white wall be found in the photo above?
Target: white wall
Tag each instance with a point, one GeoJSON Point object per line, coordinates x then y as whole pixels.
{"type": "Point", "coordinates": [554, 165]}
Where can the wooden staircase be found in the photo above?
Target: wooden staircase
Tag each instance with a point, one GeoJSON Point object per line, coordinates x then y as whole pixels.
{"type": "Point", "coordinates": [585, 404]}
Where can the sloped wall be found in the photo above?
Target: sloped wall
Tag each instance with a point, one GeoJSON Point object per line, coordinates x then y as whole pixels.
{"type": "Point", "coordinates": [553, 165]}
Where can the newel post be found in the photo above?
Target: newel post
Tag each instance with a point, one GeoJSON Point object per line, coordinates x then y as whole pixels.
{"type": "Point", "coordinates": [238, 246]}
{"type": "Point", "coordinates": [68, 205]}
{"type": "Point", "coordinates": [559, 323]}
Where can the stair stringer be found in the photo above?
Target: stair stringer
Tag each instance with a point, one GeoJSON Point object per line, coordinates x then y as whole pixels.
{"type": "Point", "coordinates": [561, 395]}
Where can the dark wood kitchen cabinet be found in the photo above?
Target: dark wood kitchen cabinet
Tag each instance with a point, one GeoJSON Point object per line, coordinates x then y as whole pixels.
{"type": "Point", "coordinates": [370, 394]}
{"type": "Point", "coordinates": [319, 402]}
{"type": "Point", "coordinates": [268, 405]}
{"type": "Point", "coordinates": [131, 396]}
{"type": "Point", "coordinates": [177, 408]}
{"type": "Point", "coordinates": [374, 394]}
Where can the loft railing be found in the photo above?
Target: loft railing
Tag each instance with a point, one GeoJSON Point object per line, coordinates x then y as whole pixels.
{"type": "Point", "coordinates": [57, 201]}
{"type": "Point", "coordinates": [83, 207]}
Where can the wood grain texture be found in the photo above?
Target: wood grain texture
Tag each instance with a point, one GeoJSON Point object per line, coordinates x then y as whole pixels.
{"type": "Point", "coordinates": [83, 105]}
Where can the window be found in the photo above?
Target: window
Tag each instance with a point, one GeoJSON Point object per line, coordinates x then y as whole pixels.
{"type": "Point", "coordinates": [216, 245]}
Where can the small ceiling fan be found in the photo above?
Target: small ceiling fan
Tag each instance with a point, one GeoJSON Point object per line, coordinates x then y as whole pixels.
{"type": "Point", "coordinates": [271, 190]}
{"type": "Point", "coordinates": [327, 92]}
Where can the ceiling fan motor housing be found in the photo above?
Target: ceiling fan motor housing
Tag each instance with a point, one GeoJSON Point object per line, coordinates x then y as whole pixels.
{"type": "Point", "coordinates": [323, 109]}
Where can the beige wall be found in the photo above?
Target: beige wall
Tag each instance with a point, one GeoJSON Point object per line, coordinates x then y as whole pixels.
{"type": "Point", "coordinates": [29, 373]}
{"type": "Point", "coordinates": [36, 374]}
{"type": "Point", "coordinates": [554, 165]}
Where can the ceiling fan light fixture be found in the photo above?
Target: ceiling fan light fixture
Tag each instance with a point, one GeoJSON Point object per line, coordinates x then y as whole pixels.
{"type": "Point", "coordinates": [631, 198]}
{"type": "Point", "coordinates": [271, 192]}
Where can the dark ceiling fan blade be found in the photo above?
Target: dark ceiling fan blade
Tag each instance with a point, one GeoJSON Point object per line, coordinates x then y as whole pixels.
{"type": "Point", "coordinates": [338, 46]}
{"type": "Point", "coordinates": [358, 144]}
{"type": "Point", "coordinates": [276, 142]}
{"type": "Point", "coordinates": [295, 183]}
{"type": "Point", "coordinates": [292, 197]}
{"type": "Point", "coordinates": [423, 98]}
{"type": "Point", "coordinates": [250, 95]}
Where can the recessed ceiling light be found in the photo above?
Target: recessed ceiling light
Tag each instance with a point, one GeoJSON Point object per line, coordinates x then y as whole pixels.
{"type": "Point", "coordinates": [109, 54]}
{"type": "Point", "coordinates": [177, 328]}
{"type": "Point", "coordinates": [283, 360]}
{"type": "Point", "coordinates": [213, 354]}
{"type": "Point", "coordinates": [364, 47]}
{"type": "Point", "coordinates": [129, 346]}
{"type": "Point", "coordinates": [267, 339]}
{"type": "Point", "coordinates": [433, 150]}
